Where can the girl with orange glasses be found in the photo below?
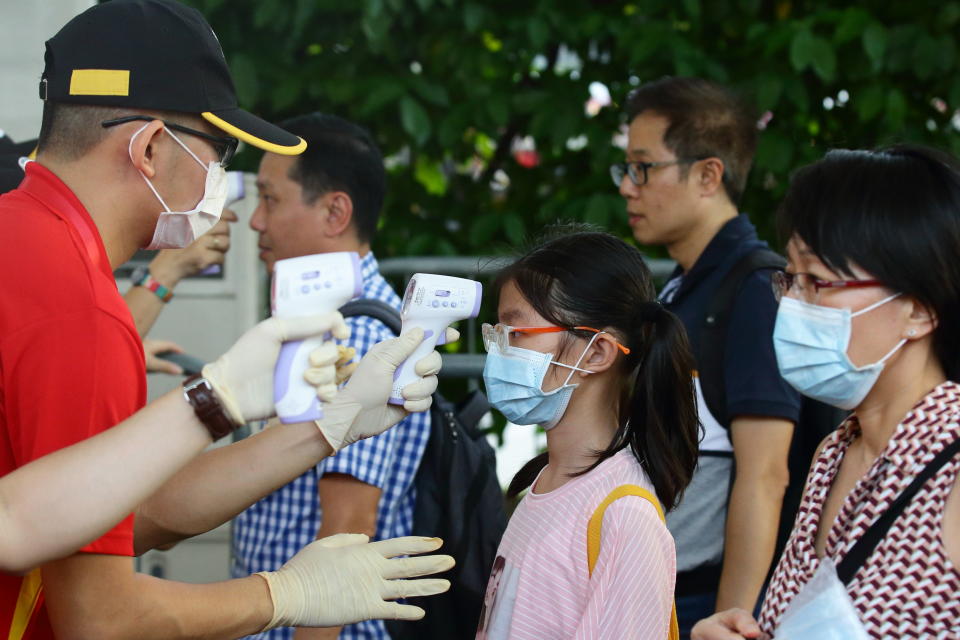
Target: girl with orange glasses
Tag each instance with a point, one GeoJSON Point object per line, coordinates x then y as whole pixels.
{"type": "Point", "coordinates": [584, 350]}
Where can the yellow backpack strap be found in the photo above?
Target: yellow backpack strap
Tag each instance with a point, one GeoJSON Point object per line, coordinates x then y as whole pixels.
{"type": "Point", "coordinates": [27, 601]}
{"type": "Point", "coordinates": [595, 531]}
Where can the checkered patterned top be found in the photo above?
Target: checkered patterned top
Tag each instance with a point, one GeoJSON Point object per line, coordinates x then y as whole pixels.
{"type": "Point", "coordinates": [271, 531]}
{"type": "Point", "coordinates": [908, 588]}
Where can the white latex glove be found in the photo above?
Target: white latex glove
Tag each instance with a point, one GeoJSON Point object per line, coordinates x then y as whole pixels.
{"type": "Point", "coordinates": [243, 376]}
{"type": "Point", "coordinates": [360, 409]}
{"type": "Point", "coordinates": [344, 579]}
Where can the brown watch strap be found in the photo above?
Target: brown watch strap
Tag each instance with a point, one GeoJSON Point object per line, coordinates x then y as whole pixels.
{"type": "Point", "coordinates": [199, 393]}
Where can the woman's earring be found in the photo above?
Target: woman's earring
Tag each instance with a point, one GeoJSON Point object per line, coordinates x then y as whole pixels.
{"type": "Point", "coordinates": [912, 332]}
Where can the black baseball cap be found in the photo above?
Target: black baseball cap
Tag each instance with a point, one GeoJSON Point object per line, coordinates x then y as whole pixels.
{"type": "Point", "coordinates": [153, 54]}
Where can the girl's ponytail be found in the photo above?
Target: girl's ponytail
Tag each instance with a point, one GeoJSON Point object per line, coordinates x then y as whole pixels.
{"type": "Point", "coordinates": [663, 426]}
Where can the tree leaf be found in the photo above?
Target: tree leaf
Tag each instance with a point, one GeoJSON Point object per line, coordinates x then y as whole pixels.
{"type": "Point", "coordinates": [435, 93]}
{"type": "Point", "coordinates": [450, 131]}
{"type": "Point", "coordinates": [499, 109]}
{"type": "Point", "coordinates": [875, 43]}
{"type": "Point", "coordinates": [483, 229]}
{"type": "Point", "coordinates": [692, 7]}
{"type": "Point", "coordinates": [824, 59]}
{"type": "Point", "coordinates": [768, 93]}
{"type": "Point", "coordinates": [430, 174]}
{"type": "Point", "coordinates": [375, 27]}
{"type": "Point", "coordinates": [896, 107]}
{"type": "Point", "coordinates": [949, 14]}
{"type": "Point", "coordinates": [796, 91]}
{"type": "Point", "coordinates": [597, 210]}
{"type": "Point", "coordinates": [244, 73]}
{"type": "Point", "coordinates": [801, 50]}
{"type": "Point", "coordinates": [774, 151]}
{"type": "Point", "coordinates": [384, 91]}
{"type": "Point", "coordinates": [286, 93]}
{"type": "Point", "coordinates": [869, 102]}
{"type": "Point", "coordinates": [513, 227]}
{"type": "Point", "coordinates": [538, 31]}
{"type": "Point", "coordinates": [851, 25]}
{"type": "Point", "coordinates": [927, 57]}
{"type": "Point", "coordinates": [415, 120]}
{"type": "Point", "coordinates": [473, 17]}
{"type": "Point", "coordinates": [373, 8]}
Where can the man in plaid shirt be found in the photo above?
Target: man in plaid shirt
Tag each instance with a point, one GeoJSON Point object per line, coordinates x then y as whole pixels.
{"type": "Point", "coordinates": [329, 199]}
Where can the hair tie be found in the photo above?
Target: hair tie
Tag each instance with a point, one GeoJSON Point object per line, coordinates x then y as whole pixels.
{"type": "Point", "coordinates": [649, 311]}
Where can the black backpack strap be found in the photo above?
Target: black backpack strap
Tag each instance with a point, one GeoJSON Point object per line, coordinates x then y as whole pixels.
{"type": "Point", "coordinates": [376, 309]}
{"type": "Point", "coordinates": [858, 555]}
{"type": "Point", "coordinates": [471, 410]}
{"type": "Point", "coordinates": [713, 336]}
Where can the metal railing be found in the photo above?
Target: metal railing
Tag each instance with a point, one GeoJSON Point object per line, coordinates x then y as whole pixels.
{"type": "Point", "coordinates": [470, 364]}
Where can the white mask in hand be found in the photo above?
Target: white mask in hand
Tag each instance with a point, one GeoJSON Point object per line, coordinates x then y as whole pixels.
{"type": "Point", "coordinates": [822, 610]}
{"type": "Point", "coordinates": [178, 229]}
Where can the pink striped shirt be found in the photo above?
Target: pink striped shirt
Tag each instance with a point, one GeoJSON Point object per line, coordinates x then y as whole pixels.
{"type": "Point", "coordinates": [540, 586]}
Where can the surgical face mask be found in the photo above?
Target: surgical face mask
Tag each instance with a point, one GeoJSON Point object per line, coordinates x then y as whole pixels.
{"type": "Point", "coordinates": [811, 346]}
{"type": "Point", "coordinates": [178, 229]}
{"type": "Point", "coordinates": [514, 380]}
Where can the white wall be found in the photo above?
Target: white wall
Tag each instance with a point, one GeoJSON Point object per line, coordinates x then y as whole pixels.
{"type": "Point", "coordinates": [25, 25]}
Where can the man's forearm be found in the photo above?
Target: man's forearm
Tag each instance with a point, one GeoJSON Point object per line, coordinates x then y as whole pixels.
{"type": "Point", "coordinates": [144, 306]}
{"type": "Point", "coordinates": [221, 483]}
{"type": "Point", "coordinates": [90, 596]}
{"type": "Point", "coordinates": [94, 484]}
{"type": "Point", "coordinates": [751, 534]}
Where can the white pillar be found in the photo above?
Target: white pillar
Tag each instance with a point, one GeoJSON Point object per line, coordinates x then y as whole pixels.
{"type": "Point", "coordinates": [25, 25]}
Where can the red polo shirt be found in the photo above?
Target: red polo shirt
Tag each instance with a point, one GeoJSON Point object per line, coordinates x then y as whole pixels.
{"type": "Point", "coordinates": [71, 361]}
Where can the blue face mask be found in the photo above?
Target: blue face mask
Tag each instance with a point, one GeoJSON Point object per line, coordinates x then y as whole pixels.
{"type": "Point", "coordinates": [514, 381]}
{"type": "Point", "coordinates": [811, 345]}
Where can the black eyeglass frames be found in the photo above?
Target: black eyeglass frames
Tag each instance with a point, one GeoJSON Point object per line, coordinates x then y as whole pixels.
{"type": "Point", "coordinates": [638, 171]}
{"type": "Point", "coordinates": [226, 146]}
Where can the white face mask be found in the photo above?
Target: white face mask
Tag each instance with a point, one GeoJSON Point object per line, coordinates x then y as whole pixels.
{"type": "Point", "coordinates": [178, 229]}
{"type": "Point", "coordinates": [811, 343]}
{"type": "Point", "coordinates": [514, 381]}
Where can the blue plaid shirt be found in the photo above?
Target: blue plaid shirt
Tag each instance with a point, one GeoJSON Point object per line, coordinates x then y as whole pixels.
{"type": "Point", "coordinates": [274, 529]}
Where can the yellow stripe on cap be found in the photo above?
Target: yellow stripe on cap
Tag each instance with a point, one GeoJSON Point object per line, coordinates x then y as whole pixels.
{"type": "Point", "coordinates": [100, 82]}
{"type": "Point", "coordinates": [240, 134]}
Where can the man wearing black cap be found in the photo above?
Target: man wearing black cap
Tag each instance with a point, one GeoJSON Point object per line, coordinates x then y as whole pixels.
{"type": "Point", "coordinates": [140, 117]}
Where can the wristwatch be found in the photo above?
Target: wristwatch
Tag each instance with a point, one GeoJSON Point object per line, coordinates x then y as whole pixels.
{"type": "Point", "coordinates": [140, 277]}
{"type": "Point", "coordinates": [201, 396]}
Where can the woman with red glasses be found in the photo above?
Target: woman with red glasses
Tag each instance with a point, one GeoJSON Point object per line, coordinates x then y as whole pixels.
{"type": "Point", "coordinates": [585, 351]}
{"type": "Point", "coordinates": [868, 318]}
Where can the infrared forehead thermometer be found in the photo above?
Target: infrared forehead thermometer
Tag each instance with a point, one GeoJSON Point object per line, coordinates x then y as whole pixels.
{"type": "Point", "coordinates": [304, 286]}
{"type": "Point", "coordinates": [432, 302]}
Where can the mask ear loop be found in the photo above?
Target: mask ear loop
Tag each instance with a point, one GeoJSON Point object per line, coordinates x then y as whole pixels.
{"type": "Point", "coordinates": [145, 178]}
{"type": "Point", "coordinates": [875, 305]}
{"type": "Point", "coordinates": [892, 351]}
{"type": "Point", "coordinates": [186, 148]}
{"type": "Point", "coordinates": [576, 366]}
{"type": "Point", "coordinates": [871, 308]}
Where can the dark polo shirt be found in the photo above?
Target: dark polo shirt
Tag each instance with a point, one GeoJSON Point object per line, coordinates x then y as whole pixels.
{"type": "Point", "coordinates": [753, 385]}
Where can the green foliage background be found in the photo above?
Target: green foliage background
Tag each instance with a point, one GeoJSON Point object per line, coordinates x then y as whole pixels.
{"type": "Point", "coordinates": [455, 81]}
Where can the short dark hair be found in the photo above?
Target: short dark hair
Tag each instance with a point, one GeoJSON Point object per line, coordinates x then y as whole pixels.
{"type": "Point", "coordinates": [70, 131]}
{"type": "Point", "coordinates": [340, 156]}
{"type": "Point", "coordinates": [707, 120]}
{"type": "Point", "coordinates": [894, 212]}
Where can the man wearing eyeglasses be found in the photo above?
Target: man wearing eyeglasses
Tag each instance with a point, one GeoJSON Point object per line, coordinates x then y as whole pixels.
{"type": "Point", "coordinates": [140, 117]}
{"type": "Point", "coordinates": [690, 146]}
